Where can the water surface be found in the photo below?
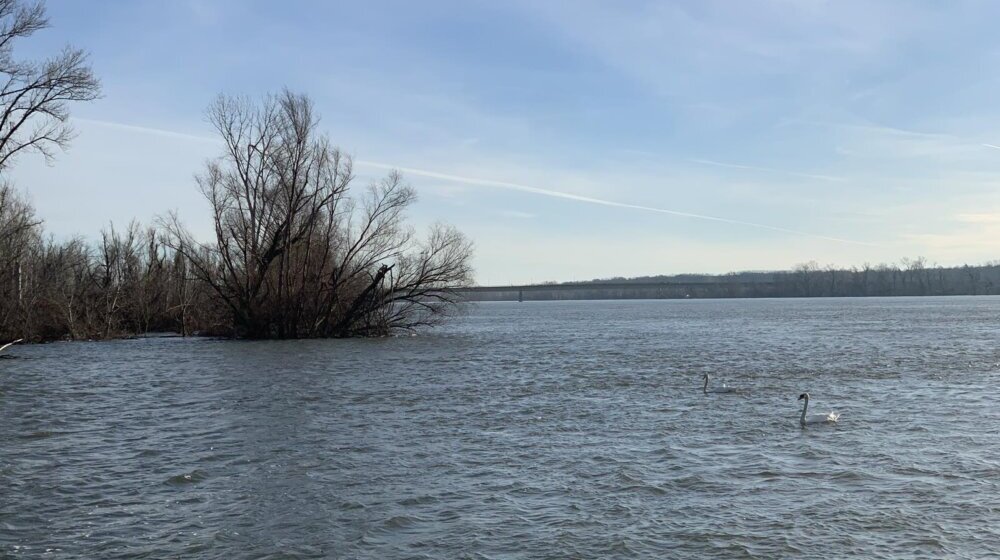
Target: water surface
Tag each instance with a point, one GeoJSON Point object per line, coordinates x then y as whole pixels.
{"type": "Point", "coordinates": [533, 430]}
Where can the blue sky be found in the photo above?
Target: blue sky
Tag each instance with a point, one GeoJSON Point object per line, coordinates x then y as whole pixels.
{"type": "Point", "coordinates": [571, 140]}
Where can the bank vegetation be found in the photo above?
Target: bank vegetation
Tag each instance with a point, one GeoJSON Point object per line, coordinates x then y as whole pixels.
{"type": "Point", "coordinates": [299, 249]}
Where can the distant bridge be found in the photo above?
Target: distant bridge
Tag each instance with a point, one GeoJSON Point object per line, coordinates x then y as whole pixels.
{"type": "Point", "coordinates": [637, 290]}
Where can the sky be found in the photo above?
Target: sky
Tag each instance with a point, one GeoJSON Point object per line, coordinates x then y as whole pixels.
{"type": "Point", "coordinates": [569, 140]}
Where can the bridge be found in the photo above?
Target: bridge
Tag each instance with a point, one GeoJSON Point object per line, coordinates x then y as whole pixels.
{"type": "Point", "coordinates": [630, 290]}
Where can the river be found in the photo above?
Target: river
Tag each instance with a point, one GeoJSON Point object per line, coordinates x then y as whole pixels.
{"type": "Point", "coordinates": [533, 430]}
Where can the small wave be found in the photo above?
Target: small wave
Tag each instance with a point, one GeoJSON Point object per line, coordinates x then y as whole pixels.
{"type": "Point", "coordinates": [646, 489]}
{"type": "Point", "coordinates": [627, 478]}
{"type": "Point", "coordinates": [417, 500]}
{"type": "Point", "coordinates": [400, 522]}
{"type": "Point", "coordinates": [38, 435]}
{"type": "Point", "coordinates": [192, 477]}
{"type": "Point", "coordinates": [448, 515]}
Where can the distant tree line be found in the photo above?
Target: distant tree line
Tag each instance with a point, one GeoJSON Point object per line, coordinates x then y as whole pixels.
{"type": "Point", "coordinates": [298, 252]}
{"type": "Point", "coordinates": [909, 277]}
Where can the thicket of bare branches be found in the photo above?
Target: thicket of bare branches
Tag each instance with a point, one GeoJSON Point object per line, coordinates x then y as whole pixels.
{"type": "Point", "coordinates": [41, 284]}
{"type": "Point", "coordinates": [297, 253]}
{"type": "Point", "coordinates": [34, 94]}
{"type": "Point", "coordinates": [127, 283]}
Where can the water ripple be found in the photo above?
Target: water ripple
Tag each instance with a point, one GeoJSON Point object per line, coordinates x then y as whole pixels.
{"type": "Point", "coordinates": [541, 430]}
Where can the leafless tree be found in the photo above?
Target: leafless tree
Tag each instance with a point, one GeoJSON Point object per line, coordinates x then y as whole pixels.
{"type": "Point", "coordinates": [295, 254]}
{"type": "Point", "coordinates": [34, 100]}
{"type": "Point", "coordinates": [419, 293]}
{"type": "Point", "coordinates": [18, 230]}
{"type": "Point", "coordinates": [34, 95]}
{"type": "Point", "coordinates": [806, 275]}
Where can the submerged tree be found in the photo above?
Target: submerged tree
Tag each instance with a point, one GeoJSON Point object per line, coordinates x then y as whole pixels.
{"type": "Point", "coordinates": [295, 254]}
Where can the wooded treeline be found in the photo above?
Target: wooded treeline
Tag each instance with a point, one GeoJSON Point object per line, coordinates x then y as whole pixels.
{"type": "Point", "coordinates": [909, 277]}
{"type": "Point", "coordinates": [128, 283]}
{"type": "Point", "coordinates": [298, 251]}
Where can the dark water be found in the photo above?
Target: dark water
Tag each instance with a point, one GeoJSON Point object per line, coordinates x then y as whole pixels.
{"type": "Point", "coordinates": [536, 430]}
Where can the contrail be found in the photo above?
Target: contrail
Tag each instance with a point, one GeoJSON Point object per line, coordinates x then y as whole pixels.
{"type": "Point", "coordinates": [150, 130]}
{"type": "Point", "coordinates": [505, 185]}
{"type": "Point", "coordinates": [992, 146]}
{"type": "Point", "coordinates": [600, 201]}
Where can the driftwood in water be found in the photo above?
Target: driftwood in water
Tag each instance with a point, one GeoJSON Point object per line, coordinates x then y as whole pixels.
{"type": "Point", "coordinates": [9, 344]}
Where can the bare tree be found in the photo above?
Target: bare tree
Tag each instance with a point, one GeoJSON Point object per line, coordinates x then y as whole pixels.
{"type": "Point", "coordinates": [18, 230]}
{"type": "Point", "coordinates": [295, 255]}
{"type": "Point", "coordinates": [420, 293]}
{"type": "Point", "coordinates": [806, 276]}
{"type": "Point", "coordinates": [268, 193]}
{"type": "Point", "coordinates": [34, 99]}
{"type": "Point", "coordinates": [34, 95]}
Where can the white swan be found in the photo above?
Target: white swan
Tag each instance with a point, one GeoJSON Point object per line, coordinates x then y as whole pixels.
{"type": "Point", "coordinates": [722, 389]}
{"type": "Point", "coordinates": [815, 418]}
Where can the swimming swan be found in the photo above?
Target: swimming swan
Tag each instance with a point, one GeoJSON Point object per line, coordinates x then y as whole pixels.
{"type": "Point", "coordinates": [815, 418]}
{"type": "Point", "coordinates": [722, 389]}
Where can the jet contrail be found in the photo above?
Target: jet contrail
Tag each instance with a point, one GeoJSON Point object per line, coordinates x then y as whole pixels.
{"type": "Point", "coordinates": [506, 185]}
{"type": "Point", "coordinates": [150, 130]}
{"type": "Point", "coordinates": [600, 201]}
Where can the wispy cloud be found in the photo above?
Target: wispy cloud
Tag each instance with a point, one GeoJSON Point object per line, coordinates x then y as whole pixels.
{"type": "Point", "coordinates": [769, 170]}
{"type": "Point", "coordinates": [513, 186]}
{"type": "Point", "coordinates": [880, 141]}
{"type": "Point", "coordinates": [517, 214]}
{"type": "Point", "coordinates": [966, 236]}
{"type": "Point", "coordinates": [979, 218]}
{"type": "Point", "coordinates": [600, 201]}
